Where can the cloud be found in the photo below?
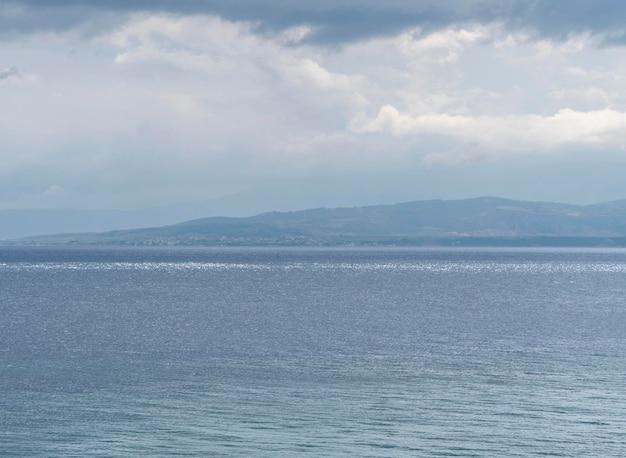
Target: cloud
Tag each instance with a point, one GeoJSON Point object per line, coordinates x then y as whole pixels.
{"type": "Point", "coordinates": [601, 128]}
{"type": "Point", "coordinates": [14, 75]}
{"type": "Point", "coordinates": [448, 43]}
{"type": "Point", "coordinates": [332, 22]}
{"type": "Point", "coordinates": [162, 106]}
{"type": "Point", "coordinates": [218, 48]}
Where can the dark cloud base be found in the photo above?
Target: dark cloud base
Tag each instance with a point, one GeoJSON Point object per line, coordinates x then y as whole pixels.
{"type": "Point", "coordinates": [337, 21]}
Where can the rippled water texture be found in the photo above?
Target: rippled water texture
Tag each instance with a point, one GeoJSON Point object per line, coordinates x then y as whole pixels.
{"type": "Point", "coordinates": [290, 352]}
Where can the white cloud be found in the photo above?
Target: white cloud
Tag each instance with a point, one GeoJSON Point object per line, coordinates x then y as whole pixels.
{"type": "Point", "coordinates": [211, 45]}
{"type": "Point", "coordinates": [446, 45]}
{"type": "Point", "coordinates": [194, 103]}
{"type": "Point", "coordinates": [306, 71]}
{"type": "Point", "coordinates": [601, 128]}
{"type": "Point", "coordinates": [295, 35]}
{"type": "Point", "coordinates": [229, 55]}
{"type": "Point", "coordinates": [199, 43]}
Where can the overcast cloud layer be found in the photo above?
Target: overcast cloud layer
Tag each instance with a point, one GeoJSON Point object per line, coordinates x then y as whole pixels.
{"type": "Point", "coordinates": [129, 104]}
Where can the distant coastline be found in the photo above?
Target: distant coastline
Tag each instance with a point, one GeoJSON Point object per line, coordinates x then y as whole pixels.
{"type": "Point", "coordinates": [465, 242]}
{"type": "Point", "coordinates": [479, 222]}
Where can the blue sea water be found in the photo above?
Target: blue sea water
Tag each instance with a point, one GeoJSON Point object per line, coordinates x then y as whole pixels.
{"type": "Point", "coordinates": [312, 352]}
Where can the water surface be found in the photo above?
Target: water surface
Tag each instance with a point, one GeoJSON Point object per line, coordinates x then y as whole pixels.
{"type": "Point", "coordinates": [318, 352]}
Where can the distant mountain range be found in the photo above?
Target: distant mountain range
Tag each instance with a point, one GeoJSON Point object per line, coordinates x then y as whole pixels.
{"type": "Point", "coordinates": [480, 221]}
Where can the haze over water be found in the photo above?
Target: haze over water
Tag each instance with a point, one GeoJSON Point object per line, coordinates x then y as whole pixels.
{"type": "Point", "coordinates": [286, 352]}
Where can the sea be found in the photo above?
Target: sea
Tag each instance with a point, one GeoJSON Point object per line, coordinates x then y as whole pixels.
{"type": "Point", "coordinates": [321, 352]}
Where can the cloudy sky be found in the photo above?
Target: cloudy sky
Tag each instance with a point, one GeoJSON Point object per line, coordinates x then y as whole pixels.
{"type": "Point", "coordinates": [290, 104]}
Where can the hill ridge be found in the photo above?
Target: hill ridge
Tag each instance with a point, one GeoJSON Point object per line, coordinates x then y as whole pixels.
{"type": "Point", "coordinates": [481, 220]}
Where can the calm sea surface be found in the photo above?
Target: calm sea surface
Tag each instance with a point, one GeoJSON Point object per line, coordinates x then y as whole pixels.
{"type": "Point", "coordinates": [291, 352]}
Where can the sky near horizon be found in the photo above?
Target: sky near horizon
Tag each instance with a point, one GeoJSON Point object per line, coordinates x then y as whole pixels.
{"type": "Point", "coordinates": [297, 104]}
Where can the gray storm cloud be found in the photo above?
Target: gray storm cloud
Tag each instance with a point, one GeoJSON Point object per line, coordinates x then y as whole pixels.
{"type": "Point", "coordinates": [334, 21]}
